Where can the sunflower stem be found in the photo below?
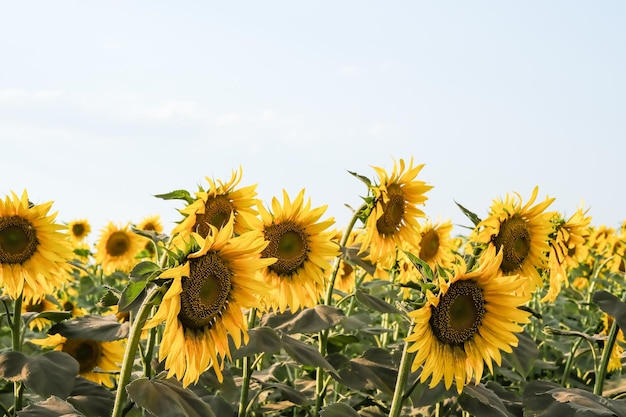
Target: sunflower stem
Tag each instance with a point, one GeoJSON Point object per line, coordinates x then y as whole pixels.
{"type": "Point", "coordinates": [570, 361]}
{"type": "Point", "coordinates": [606, 356]}
{"type": "Point", "coordinates": [247, 372]}
{"type": "Point", "coordinates": [16, 338]}
{"type": "Point", "coordinates": [131, 351]}
{"type": "Point", "coordinates": [403, 372]}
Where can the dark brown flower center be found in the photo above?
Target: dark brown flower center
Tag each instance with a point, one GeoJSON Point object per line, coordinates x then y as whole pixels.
{"type": "Point", "coordinates": [459, 314]}
{"type": "Point", "coordinates": [429, 245]}
{"type": "Point", "coordinates": [34, 307]}
{"type": "Point", "coordinates": [86, 352]}
{"type": "Point", "coordinates": [289, 244]}
{"type": "Point", "coordinates": [217, 211]}
{"type": "Point", "coordinates": [393, 211]}
{"type": "Point", "coordinates": [205, 292]}
{"type": "Point", "coordinates": [78, 230]}
{"type": "Point", "coordinates": [18, 240]}
{"type": "Point", "coordinates": [68, 306]}
{"type": "Point", "coordinates": [514, 239]}
{"type": "Point", "coordinates": [149, 226]}
{"type": "Point", "coordinates": [118, 244]}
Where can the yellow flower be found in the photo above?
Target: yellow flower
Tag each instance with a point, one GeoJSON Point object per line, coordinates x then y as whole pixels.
{"type": "Point", "coordinates": [615, 359]}
{"type": "Point", "coordinates": [39, 306]}
{"type": "Point", "coordinates": [435, 246]}
{"type": "Point", "coordinates": [33, 250]}
{"type": "Point", "coordinates": [393, 219]}
{"type": "Point", "coordinates": [214, 207]}
{"type": "Point", "coordinates": [117, 248]}
{"type": "Point", "coordinates": [204, 303]}
{"type": "Point", "coordinates": [302, 247]}
{"type": "Point", "coordinates": [98, 361]}
{"type": "Point", "coordinates": [522, 233]}
{"type": "Point", "coordinates": [78, 230]}
{"type": "Point", "coordinates": [467, 323]}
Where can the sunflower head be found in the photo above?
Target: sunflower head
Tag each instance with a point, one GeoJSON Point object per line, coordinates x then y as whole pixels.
{"type": "Point", "coordinates": [78, 230]}
{"type": "Point", "coordinates": [393, 218]}
{"type": "Point", "coordinates": [302, 247]}
{"type": "Point", "coordinates": [117, 248]}
{"type": "Point", "coordinates": [33, 249]}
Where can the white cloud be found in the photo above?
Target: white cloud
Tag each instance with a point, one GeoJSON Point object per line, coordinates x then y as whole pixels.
{"type": "Point", "coordinates": [349, 70]}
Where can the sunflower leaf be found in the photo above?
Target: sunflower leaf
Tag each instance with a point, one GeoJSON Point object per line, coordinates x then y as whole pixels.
{"type": "Point", "coordinates": [353, 255]}
{"type": "Point", "coordinates": [176, 195]}
{"type": "Point", "coordinates": [523, 356]}
{"type": "Point", "coordinates": [338, 410]}
{"type": "Point", "coordinates": [612, 306]}
{"type": "Point", "coordinates": [421, 266]}
{"type": "Point", "coordinates": [362, 178]}
{"type": "Point", "coordinates": [262, 340]}
{"type": "Point", "coordinates": [470, 215]}
{"type": "Point", "coordinates": [305, 354]}
{"type": "Point", "coordinates": [144, 271]}
{"type": "Point", "coordinates": [99, 328]}
{"type": "Point", "coordinates": [51, 373]}
{"type": "Point", "coordinates": [479, 400]}
{"type": "Point", "coordinates": [167, 398]}
{"type": "Point", "coordinates": [54, 316]}
{"type": "Point", "coordinates": [110, 298]}
{"type": "Point", "coordinates": [51, 407]}
{"type": "Point", "coordinates": [375, 303]}
{"type": "Point", "coordinates": [133, 293]}
{"type": "Point", "coordinates": [312, 320]}
{"type": "Point", "coordinates": [90, 398]}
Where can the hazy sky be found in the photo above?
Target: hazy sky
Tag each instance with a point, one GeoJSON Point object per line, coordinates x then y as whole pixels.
{"type": "Point", "coordinates": [104, 104]}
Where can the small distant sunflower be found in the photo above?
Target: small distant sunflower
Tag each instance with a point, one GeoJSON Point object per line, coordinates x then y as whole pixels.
{"type": "Point", "coordinates": [214, 206]}
{"type": "Point", "coordinates": [78, 230]}
{"type": "Point", "coordinates": [434, 245]}
{"type": "Point", "coordinates": [394, 216]}
{"type": "Point", "coordinates": [151, 224]}
{"type": "Point", "coordinates": [205, 301]}
{"type": "Point", "coordinates": [98, 361]}
{"type": "Point", "coordinates": [68, 301]}
{"type": "Point", "coordinates": [47, 303]}
{"type": "Point", "coordinates": [567, 250]}
{"type": "Point", "coordinates": [302, 246]}
{"type": "Point", "coordinates": [33, 250]}
{"type": "Point", "coordinates": [467, 323]}
{"type": "Point", "coordinates": [117, 248]}
{"type": "Point", "coordinates": [522, 233]}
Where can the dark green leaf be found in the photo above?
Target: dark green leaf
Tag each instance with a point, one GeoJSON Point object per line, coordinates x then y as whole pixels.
{"type": "Point", "coordinates": [375, 303]}
{"type": "Point", "coordinates": [524, 355]}
{"type": "Point", "coordinates": [100, 328]}
{"type": "Point", "coordinates": [110, 298]}
{"type": "Point", "coordinates": [90, 398]}
{"type": "Point", "coordinates": [53, 316]}
{"type": "Point", "coordinates": [478, 400]}
{"type": "Point", "coordinates": [421, 266]}
{"type": "Point", "coordinates": [52, 407]}
{"type": "Point", "coordinates": [167, 398]}
{"type": "Point", "coordinates": [362, 178]}
{"type": "Point", "coordinates": [133, 293]}
{"type": "Point", "coordinates": [470, 215]}
{"type": "Point", "coordinates": [144, 270]}
{"type": "Point", "coordinates": [51, 373]}
{"type": "Point", "coordinates": [288, 393]}
{"type": "Point", "coordinates": [353, 255]}
{"type": "Point", "coordinates": [338, 410]}
{"type": "Point", "coordinates": [261, 340]}
{"type": "Point", "coordinates": [356, 321]}
{"type": "Point", "coordinates": [176, 195]}
{"type": "Point", "coordinates": [339, 341]}
{"type": "Point", "coordinates": [547, 399]}
{"type": "Point", "coordinates": [361, 373]}
{"type": "Point", "coordinates": [312, 320]}
{"type": "Point", "coordinates": [612, 306]}
{"type": "Point", "coordinates": [305, 354]}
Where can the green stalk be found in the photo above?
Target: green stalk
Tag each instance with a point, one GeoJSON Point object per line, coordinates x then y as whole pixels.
{"type": "Point", "coordinates": [403, 372]}
{"type": "Point", "coordinates": [131, 351]}
{"type": "Point", "coordinates": [604, 360]}
{"type": "Point", "coordinates": [16, 337]}
{"type": "Point", "coordinates": [247, 372]}
{"type": "Point", "coordinates": [570, 361]}
{"type": "Point", "coordinates": [323, 335]}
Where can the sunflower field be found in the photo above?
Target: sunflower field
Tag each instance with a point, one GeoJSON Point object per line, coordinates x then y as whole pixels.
{"type": "Point", "coordinates": [254, 308]}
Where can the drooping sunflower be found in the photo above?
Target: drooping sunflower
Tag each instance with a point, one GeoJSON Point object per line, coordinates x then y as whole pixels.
{"type": "Point", "coordinates": [394, 216]}
{"type": "Point", "coordinates": [117, 248]}
{"type": "Point", "coordinates": [204, 303]}
{"type": "Point", "coordinates": [567, 250]}
{"type": "Point", "coordinates": [33, 249]}
{"type": "Point", "coordinates": [214, 207]}
{"type": "Point", "coordinates": [522, 233]}
{"type": "Point", "coordinates": [302, 245]}
{"type": "Point", "coordinates": [78, 230]}
{"type": "Point", "coordinates": [467, 323]}
{"type": "Point", "coordinates": [98, 361]}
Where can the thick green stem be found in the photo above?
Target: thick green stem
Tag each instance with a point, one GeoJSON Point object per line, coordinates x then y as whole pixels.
{"type": "Point", "coordinates": [570, 361]}
{"type": "Point", "coordinates": [131, 351]}
{"type": "Point", "coordinates": [16, 337]}
{"type": "Point", "coordinates": [604, 360]}
{"type": "Point", "coordinates": [403, 372]}
{"type": "Point", "coordinates": [247, 372]}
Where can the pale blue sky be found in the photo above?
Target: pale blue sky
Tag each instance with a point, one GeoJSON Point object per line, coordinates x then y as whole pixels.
{"type": "Point", "coordinates": [103, 104]}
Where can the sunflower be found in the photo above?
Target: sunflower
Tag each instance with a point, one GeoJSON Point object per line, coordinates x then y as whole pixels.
{"type": "Point", "coordinates": [117, 248]}
{"type": "Point", "coordinates": [567, 250]}
{"type": "Point", "coordinates": [522, 233]}
{"type": "Point", "coordinates": [33, 250]}
{"type": "Point", "coordinates": [393, 218]}
{"type": "Point", "coordinates": [345, 280]}
{"type": "Point", "coordinates": [615, 359]}
{"type": "Point", "coordinates": [302, 246]}
{"type": "Point", "coordinates": [47, 303]}
{"type": "Point", "coordinates": [434, 245]}
{"type": "Point", "coordinates": [467, 323]}
{"type": "Point", "coordinates": [205, 301]}
{"type": "Point", "coordinates": [78, 230]}
{"type": "Point", "coordinates": [151, 224]}
{"type": "Point", "coordinates": [214, 207]}
{"type": "Point", "coordinates": [98, 361]}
